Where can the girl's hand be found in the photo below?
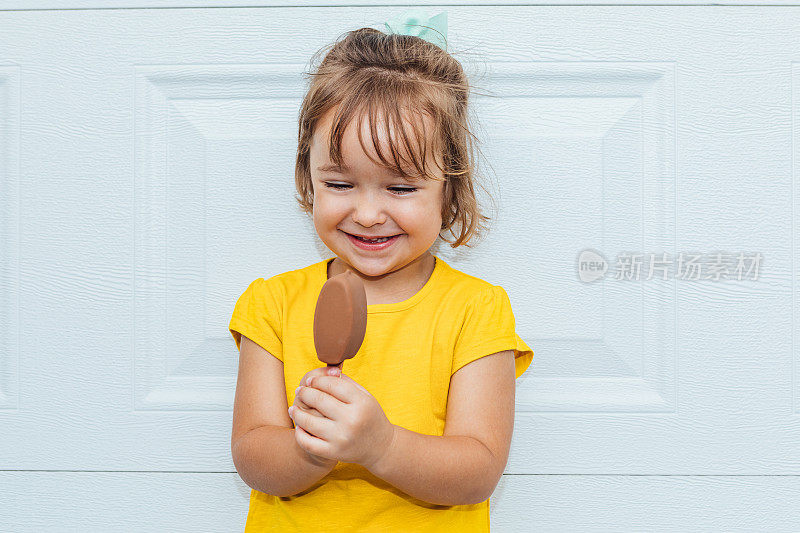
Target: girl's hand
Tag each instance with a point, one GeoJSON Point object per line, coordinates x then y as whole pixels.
{"type": "Point", "coordinates": [353, 428]}
{"type": "Point", "coordinates": [300, 405]}
{"type": "Point", "coordinates": [322, 371]}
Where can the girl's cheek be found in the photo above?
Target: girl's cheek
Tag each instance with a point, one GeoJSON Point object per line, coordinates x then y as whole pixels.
{"type": "Point", "coordinates": [327, 202]}
{"type": "Point", "coordinates": [412, 211]}
{"type": "Point", "coordinates": [336, 205]}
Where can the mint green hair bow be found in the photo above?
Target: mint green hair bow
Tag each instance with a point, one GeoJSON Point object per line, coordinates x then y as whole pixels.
{"type": "Point", "coordinates": [417, 22]}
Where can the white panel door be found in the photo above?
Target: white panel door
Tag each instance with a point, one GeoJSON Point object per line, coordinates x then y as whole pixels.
{"type": "Point", "coordinates": [146, 177]}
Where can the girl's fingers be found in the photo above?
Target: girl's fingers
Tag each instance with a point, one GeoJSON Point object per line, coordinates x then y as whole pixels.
{"type": "Point", "coordinates": [298, 402]}
{"type": "Point", "coordinates": [358, 385]}
{"type": "Point", "coordinates": [315, 397]}
{"type": "Point", "coordinates": [317, 426]}
{"type": "Point", "coordinates": [305, 407]}
{"type": "Point", "coordinates": [322, 371]}
{"type": "Point", "coordinates": [312, 411]}
{"type": "Point", "coordinates": [309, 442]}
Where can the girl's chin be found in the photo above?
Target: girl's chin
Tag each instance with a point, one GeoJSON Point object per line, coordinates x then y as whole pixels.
{"type": "Point", "coordinates": [370, 267]}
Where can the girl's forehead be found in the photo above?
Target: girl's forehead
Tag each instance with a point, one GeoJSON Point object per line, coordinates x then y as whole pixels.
{"type": "Point", "coordinates": [384, 137]}
{"type": "Point", "coordinates": [361, 121]}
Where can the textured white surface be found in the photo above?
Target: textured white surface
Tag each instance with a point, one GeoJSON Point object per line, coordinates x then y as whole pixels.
{"type": "Point", "coordinates": [128, 4]}
{"type": "Point", "coordinates": [146, 177]}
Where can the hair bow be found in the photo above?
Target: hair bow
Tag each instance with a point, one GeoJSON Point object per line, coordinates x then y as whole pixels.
{"type": "Point", "coordinates": [417, 22]}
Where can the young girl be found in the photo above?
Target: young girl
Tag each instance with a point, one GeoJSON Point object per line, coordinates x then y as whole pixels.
{"type": "Point", "coordinates": [413, 433]}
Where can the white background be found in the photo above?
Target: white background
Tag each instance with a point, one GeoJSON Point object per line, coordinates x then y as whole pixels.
{"type": "Point", "coordinates": [146, 177]}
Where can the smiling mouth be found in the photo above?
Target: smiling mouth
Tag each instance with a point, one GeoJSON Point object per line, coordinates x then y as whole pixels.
{"type": "Point", "coordinates": [372, 240]}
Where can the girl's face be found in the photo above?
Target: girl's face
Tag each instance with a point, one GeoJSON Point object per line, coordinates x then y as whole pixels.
{"type": "Point", "coordinates": [368, 200]}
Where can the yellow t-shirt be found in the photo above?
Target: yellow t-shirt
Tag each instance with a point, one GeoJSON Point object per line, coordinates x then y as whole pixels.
{"type": "Point", "coordinates": [410, 351]}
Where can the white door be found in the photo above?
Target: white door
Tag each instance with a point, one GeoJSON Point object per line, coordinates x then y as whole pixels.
{"type": "Point", "coordinates": [146, 177]}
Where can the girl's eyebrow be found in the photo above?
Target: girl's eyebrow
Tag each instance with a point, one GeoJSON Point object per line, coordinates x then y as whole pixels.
{"type": "Point", "coordinates": [332, 168]}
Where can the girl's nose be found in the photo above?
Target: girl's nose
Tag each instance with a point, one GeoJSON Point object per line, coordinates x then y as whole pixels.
{"type": "Point", "coordinates": [368, 212]}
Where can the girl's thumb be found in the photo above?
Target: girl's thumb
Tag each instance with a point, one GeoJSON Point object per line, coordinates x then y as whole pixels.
{"type": "Point", "coordinates": [334, 371]}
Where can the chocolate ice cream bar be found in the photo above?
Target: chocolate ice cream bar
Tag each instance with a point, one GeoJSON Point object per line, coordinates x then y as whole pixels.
{"type": "Point", "coordinates": [340, 318]}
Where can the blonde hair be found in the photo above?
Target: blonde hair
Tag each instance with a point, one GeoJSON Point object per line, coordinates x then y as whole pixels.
{"type": "Point", "coordinates": [378, 72]}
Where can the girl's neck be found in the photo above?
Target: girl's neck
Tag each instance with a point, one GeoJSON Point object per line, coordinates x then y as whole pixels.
{"type": "Point", "coordinates": [392, 287]}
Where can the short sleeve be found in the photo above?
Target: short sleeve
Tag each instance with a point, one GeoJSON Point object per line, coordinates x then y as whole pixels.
{"type": "Point", "coordinates": [257, 316]}
{"type": "Point", "coordinates": [488, 328]}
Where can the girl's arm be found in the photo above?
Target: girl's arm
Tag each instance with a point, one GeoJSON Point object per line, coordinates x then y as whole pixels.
{"type": "Point", "coordinates": [263, 445]}
{"type": "Point", "coordinates": [269, 460]}
{"type": "Point", "coordinates": [464, 465]}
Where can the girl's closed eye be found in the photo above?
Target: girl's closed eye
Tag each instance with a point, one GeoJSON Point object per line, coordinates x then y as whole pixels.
{"type": "Point", "coordinates": [401, 190]}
